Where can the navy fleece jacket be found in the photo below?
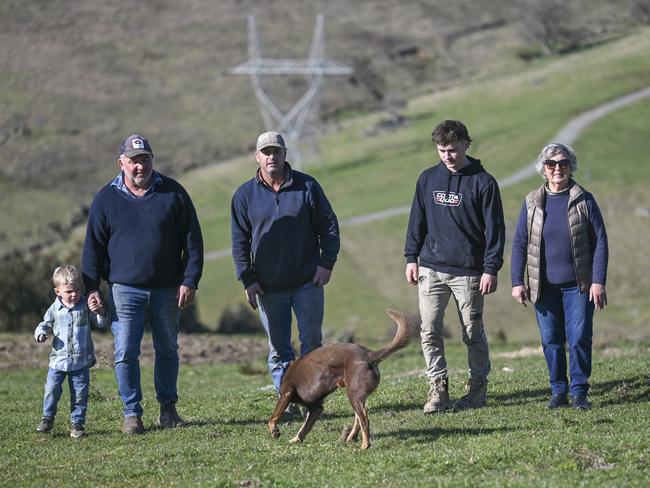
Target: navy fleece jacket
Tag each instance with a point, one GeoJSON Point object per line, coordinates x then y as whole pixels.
{"type": "Point", "coordinates": [278, 238]}
{"type": "Point", "coordinates": [154, 241]}
{"type": "Point", "coordinates": [456, 224]}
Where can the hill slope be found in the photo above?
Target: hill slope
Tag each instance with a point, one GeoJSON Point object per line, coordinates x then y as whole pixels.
{"type": "Point", "coordinates": [79, 76]}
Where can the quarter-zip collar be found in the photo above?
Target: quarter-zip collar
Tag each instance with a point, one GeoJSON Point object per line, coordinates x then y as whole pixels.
{"type": "Point", "coordinates": [287, 182]}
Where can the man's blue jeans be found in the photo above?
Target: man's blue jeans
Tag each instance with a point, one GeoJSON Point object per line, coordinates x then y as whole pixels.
{"type": "Point", "coordinates": [307, 303]}
{"type": "Point", "coordinates": [566, 315]}
{"type": "Point", "coordinates": [131, 305]}
{"type": "Point", "coordinates": [79, 383]}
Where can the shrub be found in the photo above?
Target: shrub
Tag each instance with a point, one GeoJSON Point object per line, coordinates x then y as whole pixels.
{"type": "Point", "coordinates": [552, 24]}
{"type": "Point", "coordinates": [26, 291]}
{"type": "Point", "coordinates": [239, 319]}
{"type": "Point", "coordinates": [640, 11]}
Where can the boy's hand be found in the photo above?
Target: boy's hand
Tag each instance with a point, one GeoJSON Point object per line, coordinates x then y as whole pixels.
{"type": "Point", "coordinates": [41, 338]}
{"type": "Point", "coordinates": [95, 301]}
{"type": "Point", "coordinates": [95, 307]}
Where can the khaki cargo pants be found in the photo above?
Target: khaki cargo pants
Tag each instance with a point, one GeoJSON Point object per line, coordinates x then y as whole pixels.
{"type": "Point", "coordinates": [434, 290]}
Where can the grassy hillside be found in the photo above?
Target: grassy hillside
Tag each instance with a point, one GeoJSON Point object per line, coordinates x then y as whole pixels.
{"type": "Point", "coordinates": [512, 442]}
{"type": "Point", "coordinates": [510, 118]}
{"type": "Point", "coordinates": [77, 77]}
{"type": "Point", "coordinates": [511, 113]}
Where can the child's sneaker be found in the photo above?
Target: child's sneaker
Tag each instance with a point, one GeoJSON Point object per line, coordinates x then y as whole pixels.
{"type": "Point", "coordinates": [46, 425]}
{"type": "Point", "coordinates": [77, 431]}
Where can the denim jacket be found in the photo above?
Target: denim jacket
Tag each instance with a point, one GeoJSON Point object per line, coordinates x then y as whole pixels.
{"type": "Point", "coordinates": [72, 344]}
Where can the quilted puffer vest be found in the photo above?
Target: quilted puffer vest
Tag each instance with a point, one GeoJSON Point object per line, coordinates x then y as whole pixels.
{"type": "Point", "coordinates": [578, 215]}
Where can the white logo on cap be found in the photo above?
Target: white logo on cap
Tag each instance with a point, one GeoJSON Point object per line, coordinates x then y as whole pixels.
{"type": "Point", "coordinates": [137, 144]}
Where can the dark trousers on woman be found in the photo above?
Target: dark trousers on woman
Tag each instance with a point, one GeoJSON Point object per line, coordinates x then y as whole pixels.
{"type": "Point", "coordinates": [565, 315]}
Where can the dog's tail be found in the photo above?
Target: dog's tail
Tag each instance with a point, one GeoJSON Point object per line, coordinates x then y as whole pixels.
{"type": "Point", "coordinates": [401, 339]}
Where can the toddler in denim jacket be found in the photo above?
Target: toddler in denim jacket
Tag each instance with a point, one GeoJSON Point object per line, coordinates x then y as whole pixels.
{"type": "Point", "coordinates": [68, 320]}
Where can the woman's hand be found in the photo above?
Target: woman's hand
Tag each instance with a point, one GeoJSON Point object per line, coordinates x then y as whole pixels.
{"type": "Point", "coordinates": [520, 294]}
{"type": "Point", "coordinates": [598, 295]}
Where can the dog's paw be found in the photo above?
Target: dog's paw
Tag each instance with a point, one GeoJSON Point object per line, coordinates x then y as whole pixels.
{"type": "Point", "coordinates": [275, 432]}
{"type": "Point", "coordinates": [296, 440]}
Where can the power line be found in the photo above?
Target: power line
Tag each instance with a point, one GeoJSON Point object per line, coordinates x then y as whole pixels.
{"type": "Point", "coordinates": [292, 123]}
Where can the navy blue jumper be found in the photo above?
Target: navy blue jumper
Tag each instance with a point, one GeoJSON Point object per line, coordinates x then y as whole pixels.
{"type": "Point", "coordinates": [278, 238]}
{"type": "Point", "coordinates": [153, 241]}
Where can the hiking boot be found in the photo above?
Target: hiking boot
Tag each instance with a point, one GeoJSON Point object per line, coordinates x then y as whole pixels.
{"type": "Point", "coordinates": [77, 431]}
{"type": "Point", "coordinates": [557, 400]}
{"type": "Point", "coordinates": [46, 425]}
{"type": "Point", "coordinates": [580, 402]}
{"type": "Point", "coordinates": [476, 397]}
{"type": "Point", "coordinates": [438, 398]}
{"type": "Point", "coordinates": [133, 425]}
{"type": "Point", "coordinates": [169, 418]}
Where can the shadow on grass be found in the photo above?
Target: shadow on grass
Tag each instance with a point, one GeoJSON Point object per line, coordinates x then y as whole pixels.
{"type": "Point", "coordinates": [435, 433]}
{"type": "Point", "coordinates": [627, 390]}
{"type": "Point", "coordinates": [632, 389]}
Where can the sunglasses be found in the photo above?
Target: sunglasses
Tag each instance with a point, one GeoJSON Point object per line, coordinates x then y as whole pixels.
{"type": "Point", "coordinates": [550, 164]}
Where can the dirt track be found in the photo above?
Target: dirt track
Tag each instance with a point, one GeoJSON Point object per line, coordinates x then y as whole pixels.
{"type": "Point", "coordinates": [24, 352]}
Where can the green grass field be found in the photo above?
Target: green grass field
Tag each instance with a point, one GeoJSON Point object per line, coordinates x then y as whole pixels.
{"type": "Point", "coordinates": [512, 442]}
{"type": "Point", "coordinates": [510, 118]}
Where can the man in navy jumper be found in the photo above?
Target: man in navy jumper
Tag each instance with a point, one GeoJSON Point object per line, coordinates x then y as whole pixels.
{"type": "Point", "coordinates": [285, 240]}
{"type": "Point", "coordinates": [144, 239]}
{"type": "Point", "coordinates": [456, 232]}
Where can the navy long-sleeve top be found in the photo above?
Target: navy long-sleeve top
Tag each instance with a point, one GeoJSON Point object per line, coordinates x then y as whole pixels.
{"type": "Point", "coordinates": [153, 241]}
{"type": "Point", "coordinates": [557, 266]}
{"type": "Point", "coordinates": [278, 238]}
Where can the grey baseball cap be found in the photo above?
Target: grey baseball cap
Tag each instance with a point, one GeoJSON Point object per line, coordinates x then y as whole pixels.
{"type": "Point", "coordinates": [270, 139]}
{"type": "Point", "coordinates": [135, 145]}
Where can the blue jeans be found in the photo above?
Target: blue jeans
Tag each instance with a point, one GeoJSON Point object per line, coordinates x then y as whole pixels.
{"type": "Point", "coordinates": [79, 383]}
{"type": "Point", "coordinates": [566, 315]}
{"type": "Point", "coordinates": [307, 303]}
{"type": "Point", "coordinates": [131, 305]}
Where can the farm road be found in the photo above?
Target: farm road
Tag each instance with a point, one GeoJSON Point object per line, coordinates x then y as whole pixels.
{"type": "Point", "coordinates": [567, 135]}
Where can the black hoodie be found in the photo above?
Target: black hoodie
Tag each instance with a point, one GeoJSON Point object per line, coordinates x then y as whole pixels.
{"type": "Point", "coordinates": [456, 224]}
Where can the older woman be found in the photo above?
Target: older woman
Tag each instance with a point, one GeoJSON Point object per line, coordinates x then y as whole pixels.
{"type": "Point", "coordinates": [561, 241]}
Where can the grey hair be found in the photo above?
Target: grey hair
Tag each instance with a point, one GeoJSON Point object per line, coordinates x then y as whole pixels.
{"type": "Point", "coordinates": [551, 150]}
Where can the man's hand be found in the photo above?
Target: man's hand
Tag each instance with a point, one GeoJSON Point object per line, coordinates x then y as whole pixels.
{"type": "Point", "coordinates": [96, 308]}
{"type": "Point", "coordinates": [252, 292]}
{"type": "Point", "coordinates": [520, 294]}
{"type": "Point", "coordinates": [488, 284]}
{"type": "Point", "coordinates": [321, 277]}
{"type": "Point", "coordinates": [598, 295]}
{"type": "Point", "coordinates": [185, 296]}
{"type": "Point", "coordinates": [41, 338]}
{"type": "Point", "coordinates": [412, 273]}
{"type": "Point", "coordinates": [95, 301]}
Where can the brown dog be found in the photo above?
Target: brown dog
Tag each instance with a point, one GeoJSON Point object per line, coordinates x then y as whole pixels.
{"type": "Point", "coordinates": [311, 378]}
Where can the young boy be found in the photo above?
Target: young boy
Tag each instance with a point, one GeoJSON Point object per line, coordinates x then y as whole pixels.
{"type": "Point", "coordinates": [68, 320]}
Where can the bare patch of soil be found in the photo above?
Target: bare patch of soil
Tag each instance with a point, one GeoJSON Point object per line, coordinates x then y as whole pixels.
{"type": "Point", "coordinates": [22, 351]}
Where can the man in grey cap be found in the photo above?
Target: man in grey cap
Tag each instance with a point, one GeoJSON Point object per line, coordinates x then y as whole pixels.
{"type": "Point", "coordinates": [143, 238]}
{"type": "Point", "coordinates": [285, 240]}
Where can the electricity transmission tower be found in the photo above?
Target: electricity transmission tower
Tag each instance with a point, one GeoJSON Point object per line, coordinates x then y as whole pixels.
{"type": "Point", "coordinates": [292, 123]}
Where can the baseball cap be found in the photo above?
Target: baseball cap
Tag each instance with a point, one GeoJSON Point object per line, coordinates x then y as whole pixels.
{"type": "Point", "coordinates": [135, 145]}
{"type": "Point", "coordinates": [270, 139]}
